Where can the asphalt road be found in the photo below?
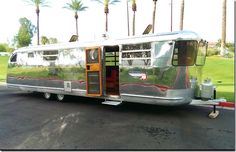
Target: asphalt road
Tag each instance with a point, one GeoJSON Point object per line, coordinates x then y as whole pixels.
{"type": "Point", "coordinates": [27, 121]}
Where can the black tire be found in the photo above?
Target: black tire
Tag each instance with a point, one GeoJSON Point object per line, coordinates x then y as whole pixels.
{"type": "Point", "coordinates": [60, 97]}
{"type": "Point", "coordinates": [47, 95]}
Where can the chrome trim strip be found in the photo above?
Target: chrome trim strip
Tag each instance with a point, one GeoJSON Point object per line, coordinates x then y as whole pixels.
{"type": "Point", "coordinates": [154, 100]}
{"type": "Point", "coordinates": [28, 86]}
{"type": "Point", "coordinates": [153, 97]}
{"type": "Point", "coordinates": [46, 88]}
{"type": "Point", "coordinates": [78, 90]}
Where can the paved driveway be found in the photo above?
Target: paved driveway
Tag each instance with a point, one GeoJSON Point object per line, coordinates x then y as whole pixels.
{"type": "Point", "coordinates": [27, 121]}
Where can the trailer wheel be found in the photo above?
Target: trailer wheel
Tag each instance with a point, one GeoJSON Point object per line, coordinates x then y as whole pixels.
{"type": "Point", "coordinates": [47, 95]}
{"type": "Point", "coordinates": [60, 97]}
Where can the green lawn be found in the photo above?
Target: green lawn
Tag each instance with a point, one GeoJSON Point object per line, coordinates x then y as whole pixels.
{"type": "Point", "coordinates": [3, 67]}
{"type": "Point", "coordinates": [221, 72]}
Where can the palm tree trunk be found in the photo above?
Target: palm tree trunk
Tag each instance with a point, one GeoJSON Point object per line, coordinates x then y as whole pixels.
{"type": "Point", "coordinates": [128, 17]}
{"type": "Point", "coordinates": [106, 22]}
{"type": "Point", "coordinates": [171, 15]}
{"type": "Point", "coordinates": [134, 8]}
{"type": "Point", "coordinates": [181, 15]}
{"type": "Point", "coordinates": [37, 12]}
{"type": "Point", "coordinates": [223, 28]}
{"type": "Point", "coordinates": [106, 10]}
{"type": "Point", "coordinates": [154, 16]}
{"type": "Point", "coordinates": [76, 21]}
{"type": "Point", "coordinates": [134, 23]}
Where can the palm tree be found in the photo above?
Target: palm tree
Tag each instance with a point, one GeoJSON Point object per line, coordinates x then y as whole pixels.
{"type": "Point", "coordinates": [127, 5]}
{"type": "Point", "coordinates": [106, 3]}
{"type": "Point", "coordinates": [223, 28]}
{"type": "Point", "coordinates": [76, 6]}
{"type": "Point", "coordinates": [154, 15]}
{"type": "Point", "coordinates": [37, 4]}
{"type": "Point", "coordinates": [181, 15]}
{"type": "Point", "coordinates": [171, 15]}
{"type": "Point", "coordinates": [134, 8]}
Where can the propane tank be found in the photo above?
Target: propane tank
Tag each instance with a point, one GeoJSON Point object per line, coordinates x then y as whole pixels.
{"type": "Point", "coordinates": [195, 87]}
{"type": "Point", "coordinates": [193, 82]}
{"type": "Point", "coordinates": [207, 89]}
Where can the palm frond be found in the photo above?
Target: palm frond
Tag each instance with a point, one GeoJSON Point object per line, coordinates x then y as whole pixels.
{"type": "Point", "coordinates": [99, 1]}
{"type": "Point", "coordinates": [106, 2]}
{"type": "Point", "coordinates": [113, 1]}
{"type": "Point", "coordinates": [37, 3]}
{"type": "Point", "coordinates": [75, 5]}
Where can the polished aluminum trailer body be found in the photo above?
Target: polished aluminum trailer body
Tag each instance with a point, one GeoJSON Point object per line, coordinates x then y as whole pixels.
{"type": "Point", "coordinates": [162, 69]}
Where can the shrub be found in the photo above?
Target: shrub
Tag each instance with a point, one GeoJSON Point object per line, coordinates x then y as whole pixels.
{"type": "Point", "coordinates": [212, 51]}
{"type": "Point", "coordinates": [230, 47]}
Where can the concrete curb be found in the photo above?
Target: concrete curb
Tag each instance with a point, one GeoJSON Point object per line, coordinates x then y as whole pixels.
{"type": "Point", "coordinates": [218, 107]}
{"type": "Point", "coordinates": [227, 104]}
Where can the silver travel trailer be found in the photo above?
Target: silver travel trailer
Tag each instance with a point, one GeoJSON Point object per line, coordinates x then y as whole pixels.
{"type": "Point", "coordinates": [161, 69]}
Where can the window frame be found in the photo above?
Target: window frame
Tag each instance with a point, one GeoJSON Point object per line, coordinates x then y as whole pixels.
{"type": "Point", "coordinates": [46, 57]}
{"type": "Point", "coordinates": [206, 47]}
{"type": "Point", "coordinates": [134, 52]}
{"type": "Point", "coordinates": [14, 56]}
{"type": "Point", "coordinates": [194, 57]}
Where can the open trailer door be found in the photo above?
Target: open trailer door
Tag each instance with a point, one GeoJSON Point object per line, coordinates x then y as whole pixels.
{"type": "Point", "coordinates": [93, 71]}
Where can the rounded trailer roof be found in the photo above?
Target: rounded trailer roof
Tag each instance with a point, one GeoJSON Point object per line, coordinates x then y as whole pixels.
{"type": "Point", "coordinates": [180, 35]}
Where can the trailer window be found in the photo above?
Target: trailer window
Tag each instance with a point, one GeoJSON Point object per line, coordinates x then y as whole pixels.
{"type": "Point", "coordinates": [136, 54]}
{"type": "Point", "coordinates": [92, 56]}
{"type": "Point", "coordinates": [31, 55]}
{"type": "Point", "coordinates": [139, 46]}
{"type": "Point", "coordinates": [50, 55]}
{"type": "Point", "coordinates": [163, 53]}
{"type": "Point", "coordinates": [201, 55]}
{"type": "Point", "coordinates": [13, 58]}
{"type": "Point", "coordinates": [184, 53]}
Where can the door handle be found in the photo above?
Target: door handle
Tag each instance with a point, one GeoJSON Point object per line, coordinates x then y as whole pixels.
{"type": "Point", "coordinates": [88, 67]}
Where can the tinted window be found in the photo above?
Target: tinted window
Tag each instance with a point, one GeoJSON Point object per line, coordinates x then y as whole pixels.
{"type": "Point", "coordinates": [184, 53]}
{"type": "Point", "coordinates": [201, 55]}
{"type": "Point", "coordinates": [92, 56]}
{"type": "Point", "coordinates": [13, 58]}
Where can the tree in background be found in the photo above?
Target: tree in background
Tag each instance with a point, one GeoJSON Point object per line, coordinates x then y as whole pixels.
{"type": "Point", "coordinates": [134, 8]}
{"type": "Point", "coordinates": [229, 46]}
{"type": "Point", "coordinates": [76, 6]}
{"type": "Point", "coordinates": [25, 33]}
{"type": "Point", "coordinates": [53, 40]}
{"type": "Point", "coordinates": [46, 40]}
{"type": "Point", "coordinates": [154, 15]}
{"type": "Point", "coordinates": [37, 4]}
{"type": "Point", "coordinates": [5, 48]}
{"type": "Point", "coordinates": [223, 29]}
{"type": "Point", "coordinates": [181, 24]}
{"type": "Point", "coordinates": [106, 3]}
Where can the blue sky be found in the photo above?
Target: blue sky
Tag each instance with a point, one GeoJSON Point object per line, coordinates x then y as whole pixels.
{"type": "Point", "coordinates": [201, 16]}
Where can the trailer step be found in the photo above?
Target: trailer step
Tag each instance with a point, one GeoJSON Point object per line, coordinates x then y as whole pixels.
{"type": "Point", "coordinates": [113, 103]}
